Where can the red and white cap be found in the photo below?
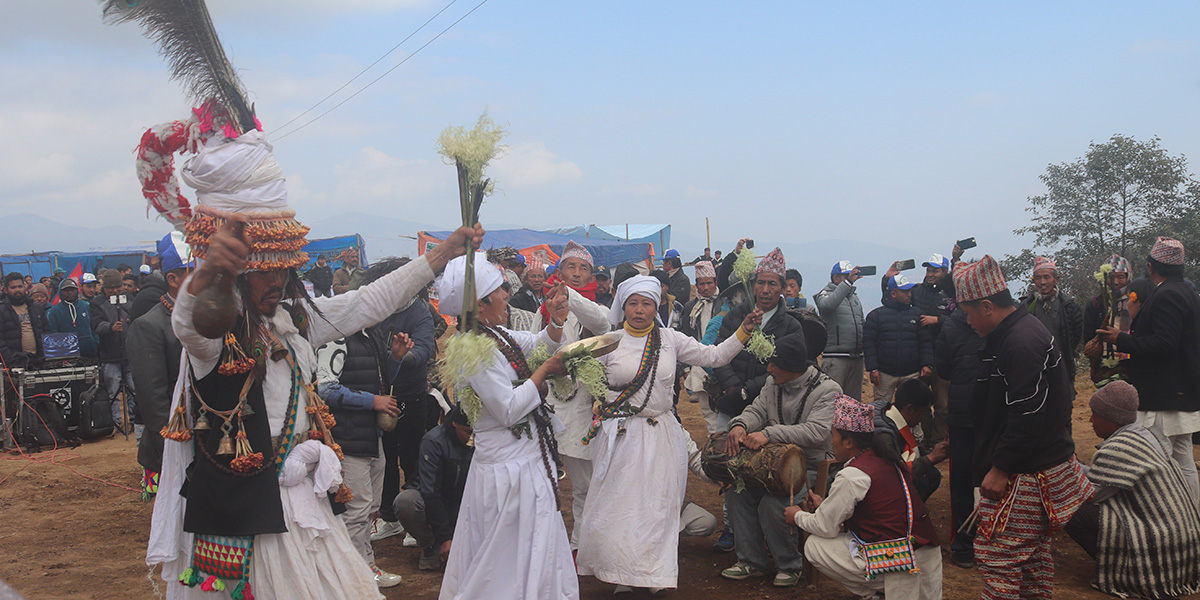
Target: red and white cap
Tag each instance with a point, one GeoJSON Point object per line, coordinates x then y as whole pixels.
{"type": "Point", "coordinates": [773, 262]}
{"type": "Point", "coordinates": [575, 250]}
{"type": "Point", "coordinates": [853, 416]}
{"type": "Point", "coordinates": [1167, 251]}
{"type": "Point", "coordinates": [705, 269]}
{"type": "Point", "coordinates": [978, 280]}
{"type": "Point", "coordinates": [1042, 263]}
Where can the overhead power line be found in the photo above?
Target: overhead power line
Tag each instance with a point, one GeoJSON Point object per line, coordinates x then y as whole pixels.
{"type": "Point", "coordinates": [384, 74]}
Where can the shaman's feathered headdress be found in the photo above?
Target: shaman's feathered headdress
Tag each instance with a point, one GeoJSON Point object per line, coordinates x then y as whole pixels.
{"type": "Point", "coordinates": [234, 169]}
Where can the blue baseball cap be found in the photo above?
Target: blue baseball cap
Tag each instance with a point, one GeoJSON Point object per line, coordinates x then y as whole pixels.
{"type": "Point", "coordinates": [937, 261]}
{"type": "Point", "coordinates": [672, 253]}
{"type": "Point", "coordinates": [842, 267]}
{"type": "Point", "coordinates": [175, 252]}
{"type": "Point", "coordinates": [899, 282]}
{"type": "Point", "coordinates": [521, 259]}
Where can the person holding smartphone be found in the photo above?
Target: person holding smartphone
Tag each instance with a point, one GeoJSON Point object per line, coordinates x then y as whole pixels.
{"type": "Point", "coordinates": [110, 321]}
{"type": "Point", "coordinates": [839, 305]}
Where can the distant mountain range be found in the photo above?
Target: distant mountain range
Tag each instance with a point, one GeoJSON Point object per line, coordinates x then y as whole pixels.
{"type": "Point", "coordinates": [386, 236]}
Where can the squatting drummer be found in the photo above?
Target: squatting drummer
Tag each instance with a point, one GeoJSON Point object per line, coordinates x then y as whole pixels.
{"type": "Point", "coordinates": [794, 407]}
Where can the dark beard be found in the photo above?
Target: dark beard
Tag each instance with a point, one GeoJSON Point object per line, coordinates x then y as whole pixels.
{"type": "Point", "coordinates": [17, 300]}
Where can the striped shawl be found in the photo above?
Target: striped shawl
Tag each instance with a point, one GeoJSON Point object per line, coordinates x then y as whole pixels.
{"type": "Point", "coordinates": [1149, 539]}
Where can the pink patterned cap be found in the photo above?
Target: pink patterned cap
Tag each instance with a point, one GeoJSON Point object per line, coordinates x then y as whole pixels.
{"type": "Point", "coordinates": [1119, 264]}
{"type": "Point", "coordinates": [978, 280]}
{"type": "Point", "coordinates": [534, 263]}
{"type": "Point", "coordinates": [1167, 251]}
{"type": "Point", "coordinates": [1042, 262]}
{"type": "Point", "coordinates": [772, 263]}
{"type": "Point", "coordinates": [574, 250]}
{"type": "Point", "coordinates": [853, 416]}
{"type": "Point", "coordinates": [705, 269]}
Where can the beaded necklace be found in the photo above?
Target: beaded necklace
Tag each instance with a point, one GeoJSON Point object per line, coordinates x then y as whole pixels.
{"type": "Point", "coordinates": [547, 442]}
{"type": "Point", "coordinates": [621, 405]}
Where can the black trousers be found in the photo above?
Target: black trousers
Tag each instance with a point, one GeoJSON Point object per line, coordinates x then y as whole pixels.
{"type": "Point", "coordinates": [962, 488]}
{"type": "Point", "coordinates": [1084, 527]}
{"type": "Point", "coordinates": [402, 450]}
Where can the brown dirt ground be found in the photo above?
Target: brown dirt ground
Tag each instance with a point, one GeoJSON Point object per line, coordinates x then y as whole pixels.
{"type": "Point", "coordinates": [66, 536]}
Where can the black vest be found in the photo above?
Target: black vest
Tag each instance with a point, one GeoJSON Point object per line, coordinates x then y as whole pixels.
{"type": "Point", "coordinates": [221, 501]}
{"type": "Point", "coordinates": [357, 430]}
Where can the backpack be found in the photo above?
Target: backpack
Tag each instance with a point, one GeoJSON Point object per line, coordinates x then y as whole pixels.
{"type": "Point", "coordinates": [43, 425]}
{"type": "Point", "coordinates": [95, 413]}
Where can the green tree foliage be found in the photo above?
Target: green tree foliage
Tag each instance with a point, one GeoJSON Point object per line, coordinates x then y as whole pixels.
{"type": "Point", "coordinates": [1118, 198]}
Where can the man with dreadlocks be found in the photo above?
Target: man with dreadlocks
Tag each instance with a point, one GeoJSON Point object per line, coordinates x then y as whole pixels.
{"type": "Point", "coordinates": [249, 429]}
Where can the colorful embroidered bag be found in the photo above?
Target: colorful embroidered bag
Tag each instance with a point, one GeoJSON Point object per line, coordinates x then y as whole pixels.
{"type": "Point", "coordinates": [891, 556]}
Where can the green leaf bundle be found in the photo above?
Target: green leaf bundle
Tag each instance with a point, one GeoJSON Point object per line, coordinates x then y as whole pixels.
{"type": "Point", "coordinates": [761, 345]}
{"type": "Point", "coordinates": [744, 267]}
{"type": "Point", "coordinates": [467, 355]}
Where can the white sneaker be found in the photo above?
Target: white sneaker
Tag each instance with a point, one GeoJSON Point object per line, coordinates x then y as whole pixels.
{"type": "Point", "coordinates": [410, 541]}
{"type": "Point", "coordinates": [384, 579]}
{"type": "Point", "coordinates": [381, 529]}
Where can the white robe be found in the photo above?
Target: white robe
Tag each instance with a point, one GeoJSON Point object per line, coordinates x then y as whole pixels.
{"type": "Point", "coordinates": [510, 541]}
{"type": "Point", "coordinates": [315, 557]}
{"type": "Point", "coordinates": [576, 414]}
{"type": "Point", "coordinates": [630, 532]}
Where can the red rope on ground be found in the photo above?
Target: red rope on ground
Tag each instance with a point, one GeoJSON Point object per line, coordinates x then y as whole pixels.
{"type": "Point", "coordinates": [51, 457]}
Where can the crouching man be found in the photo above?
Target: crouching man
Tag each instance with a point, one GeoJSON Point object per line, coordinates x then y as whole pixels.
{"type": "Point", "coordinates": [429, 511]}
{"type": "Point", "coordinates": [795, 406]}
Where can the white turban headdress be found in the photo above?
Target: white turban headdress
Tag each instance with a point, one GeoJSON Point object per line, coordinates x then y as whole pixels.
{"type": "Point", "coordinates": [450, 283]}
{"type": "Point", "coordinates": [642, 285]}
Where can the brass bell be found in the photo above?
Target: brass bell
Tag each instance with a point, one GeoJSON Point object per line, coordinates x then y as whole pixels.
{"type": "Point", "coordinates": [225, 448]}
{"type": "Point", "coordinates": [201, 424]}
{"type": "Point", "coordinates": [278, 351]}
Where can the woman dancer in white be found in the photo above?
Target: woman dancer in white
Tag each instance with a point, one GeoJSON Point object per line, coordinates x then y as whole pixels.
{"type": "Point", "coordinates": [630, 529]}
{"type": "Point", "coordinates": [510, 540]}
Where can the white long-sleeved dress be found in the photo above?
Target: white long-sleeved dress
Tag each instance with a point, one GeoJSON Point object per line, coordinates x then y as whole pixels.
{"type": "Point", "coordinates": [510, 541]}
{"type": "Point", "coordinates": [630, 532]}
{"type": "Point", "coordinates": [314, 558]}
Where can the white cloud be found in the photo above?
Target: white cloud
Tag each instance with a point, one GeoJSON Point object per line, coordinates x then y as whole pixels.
{"type": "Point", "coordinates": [373, 179]}
{"type": "Point", "coordinates": [530, 165]}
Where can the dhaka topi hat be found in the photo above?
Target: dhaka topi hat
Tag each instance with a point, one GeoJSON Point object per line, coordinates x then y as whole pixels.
{"type": "Point", "coordinates": [853, 416]}
{"type": "Point", "coordinates": [575, 250]}
{"type": "Point", "coordinates": [978, 280]}
{"type": "Point", "coordinates": [773, 262]}
{"type": "Point", "coordinates": [1117, 401]}
{"type": "Point", "coordinates": [1167, 251]}
{"type": "Point", "coordinates": [705, 269]}
{"type": "Point", "coordinates": [1119, 264]}
{"type": "Point", "coordinates": [535, 264]}
{"type": "Point", "coordinates": [1042, 263]}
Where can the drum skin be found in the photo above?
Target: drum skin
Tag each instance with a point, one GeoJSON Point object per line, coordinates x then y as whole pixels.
{"type": "Point", "coordinates": [778, 469]}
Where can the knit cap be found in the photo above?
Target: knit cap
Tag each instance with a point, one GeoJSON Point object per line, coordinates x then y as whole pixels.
{"type": "Point", "coordinates": [1117, 401]}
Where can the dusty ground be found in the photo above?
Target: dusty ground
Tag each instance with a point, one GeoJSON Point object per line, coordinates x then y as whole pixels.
{"type": "Point", "coordinates": [67, 535]}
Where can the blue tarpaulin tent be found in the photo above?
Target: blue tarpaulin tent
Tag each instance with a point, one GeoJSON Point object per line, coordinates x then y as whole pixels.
{"type": "Point", "coordinates": [604, 252]}
{"type": "Point", "coordinates": [42, 264]}
{"type": "Point", "coordinates": [333, 247]}
{"type": "Point", "coordinates": [657, 234]}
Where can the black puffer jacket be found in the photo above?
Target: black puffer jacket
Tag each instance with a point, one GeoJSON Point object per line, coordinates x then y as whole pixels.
{"type": "Point", "coordinates": [745, 371]}
{"type": "Point", "coordinates": [933, 299]}
{"type": "Point", "coordinates": [894, 341]}
{"type": "Point", "coordinates": [357, 430]}
{"type": "Point", "coordinates": [10, 330]}
{"type": "Point", "coordinates": [956, 359]}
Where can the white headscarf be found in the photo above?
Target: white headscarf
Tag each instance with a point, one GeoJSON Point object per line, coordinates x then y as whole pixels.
{"type": "Point", "coordinates": [450, 283]}
{"type": "Point", "coordinates": [642, 285]}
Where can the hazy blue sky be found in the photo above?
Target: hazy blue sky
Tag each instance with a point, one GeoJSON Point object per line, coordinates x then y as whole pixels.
{"type": "Point", "coordinates": [908, 124]}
